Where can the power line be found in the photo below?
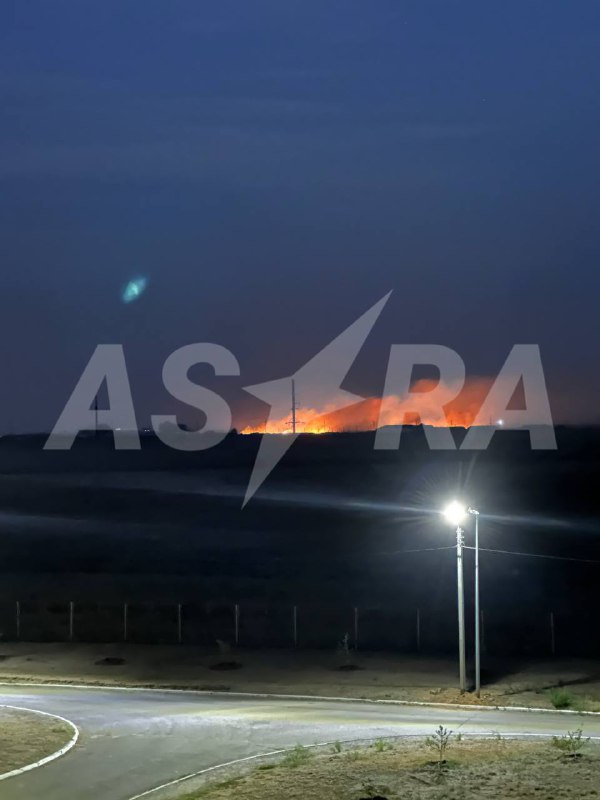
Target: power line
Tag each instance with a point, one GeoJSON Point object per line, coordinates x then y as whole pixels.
{"type": "Point", "coordinates": [453, 547]}
{"type": "Point", "coordinates": [537, 555]}
{"type": "Point", "coordinates": [422, 550]}
{"type": "Point", "coordinates": [362, 555]}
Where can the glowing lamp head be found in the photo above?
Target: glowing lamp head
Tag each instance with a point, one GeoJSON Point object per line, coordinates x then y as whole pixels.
{"type": "Point", "coordinates": [455, 513]}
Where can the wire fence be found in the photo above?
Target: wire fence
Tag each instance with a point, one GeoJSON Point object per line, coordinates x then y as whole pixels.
{"type": "Point", "coordinates": [252, 625]}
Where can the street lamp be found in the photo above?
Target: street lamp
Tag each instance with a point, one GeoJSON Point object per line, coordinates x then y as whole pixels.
{"type": "Point", "coordinates": [456, 514]}
{"type": "Point", "coordinates": [475, 513]}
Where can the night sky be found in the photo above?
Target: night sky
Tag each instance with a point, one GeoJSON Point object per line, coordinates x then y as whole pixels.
{"type": "Point", "coordinates": [274, 168]}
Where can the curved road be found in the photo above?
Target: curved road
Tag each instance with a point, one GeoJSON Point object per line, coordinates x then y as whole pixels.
{"type": "Point", "coordinates": [132, 741]}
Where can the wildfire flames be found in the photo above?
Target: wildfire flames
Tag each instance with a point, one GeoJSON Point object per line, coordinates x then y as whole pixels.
{"type": "Point", "coordinates": [377, 412]}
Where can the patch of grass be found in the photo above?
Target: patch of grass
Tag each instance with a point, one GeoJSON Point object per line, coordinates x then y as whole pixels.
{"type": "Point", "coordinates": [561, 698]}
{"type": "Point", "coordinates": [380, 746]}
{"type": "Point", "coordinates": [208, 791]}
{"type": "Point", "coordinates": [478, 770]}
{"type": "Point", "coordinates": [571, 744]}
{"type": "Point", "coordinates": [296, 757]}
{"type": "Point", "coordinates": [26, 737]}
{"type": "Point", "coordinates": [374, 791]}
{"type": "Point", "coordinates": [214, 687]}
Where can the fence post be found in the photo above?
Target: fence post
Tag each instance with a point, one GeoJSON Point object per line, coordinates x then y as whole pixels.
{"type": "Point", "coordinates": [125, 631]}
{"type": "Point", "coordinates": [179, 624]}
{"type": "Point", "coordinates": [237, 624]}
{"type": "Point", "coordinates": [356, 628]}
{"type": "Point", "coordinates": [552, 634]}
{"type": "Point", "coordinates": [418, 630]}
{"type": "Point", "coordinates": [71, 621]}
{"type": "Point", "coordinates": [18, 614]}
{"type": "Point", "coordinates": [295, 625]}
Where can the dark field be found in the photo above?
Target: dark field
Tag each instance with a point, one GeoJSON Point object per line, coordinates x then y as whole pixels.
{"type": "Point", "coordinates": [327, 533]}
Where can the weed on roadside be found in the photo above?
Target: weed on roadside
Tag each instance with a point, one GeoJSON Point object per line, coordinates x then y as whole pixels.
{"type": "Point", "coordinates": [296, 757]}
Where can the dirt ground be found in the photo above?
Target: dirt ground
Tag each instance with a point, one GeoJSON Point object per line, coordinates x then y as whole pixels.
{"type": "Point", "coordinates": [363, 675]}
{"type": "Point", "coordinates": [474, 769]}
{"type": "Point", "coordinates": [26, 737]}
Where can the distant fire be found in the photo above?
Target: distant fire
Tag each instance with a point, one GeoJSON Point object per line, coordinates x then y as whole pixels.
{"type": "Point", "coordinates": [376, 412]}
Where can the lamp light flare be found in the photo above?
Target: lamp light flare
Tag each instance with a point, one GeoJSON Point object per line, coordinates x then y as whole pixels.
{"type": "Point", "coordinates": [455, 513]}
{"type": "Point", "coordinates": [134, 290]}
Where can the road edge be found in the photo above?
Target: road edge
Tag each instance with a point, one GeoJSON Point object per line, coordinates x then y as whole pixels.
{"type": "Point", "coordinates": [53, 756]}
{"type": "Point", "coordinates": [277, 696]}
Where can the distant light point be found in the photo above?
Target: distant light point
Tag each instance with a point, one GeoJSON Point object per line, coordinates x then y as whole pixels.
{"type": "Point", "coordinates": [134, 290]}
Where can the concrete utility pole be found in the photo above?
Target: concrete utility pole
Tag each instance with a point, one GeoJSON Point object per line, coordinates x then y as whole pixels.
{"type": "Point", "coordinates": [456, 513]}
{"type": "Point", "coordinates": [460, 540]}
{"type": "Point", "coordinates": [475, 513]}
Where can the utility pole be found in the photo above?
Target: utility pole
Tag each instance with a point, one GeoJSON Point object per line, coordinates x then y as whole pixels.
{"type": "Point", "coordinates": [460, 540]}
{"type": "Point", "coordinates": [293, 406]}
{"type": "Point", "coordinates": [475, 513]}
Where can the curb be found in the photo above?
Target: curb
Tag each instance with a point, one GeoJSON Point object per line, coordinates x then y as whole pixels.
{"type": "Point", "coordinates": [322, 698]}
{"type": "Point", "coordinates": [53, 756]}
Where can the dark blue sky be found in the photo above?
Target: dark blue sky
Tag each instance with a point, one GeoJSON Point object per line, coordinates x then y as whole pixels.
{"type": "Point", "coordinates": [275, 167]}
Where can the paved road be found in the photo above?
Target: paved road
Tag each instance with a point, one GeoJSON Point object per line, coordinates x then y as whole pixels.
{"type": "Point", "coordinates": [133, 741]}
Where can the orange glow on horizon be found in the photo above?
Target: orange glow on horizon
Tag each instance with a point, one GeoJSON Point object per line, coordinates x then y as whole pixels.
{"type": "Point", "coordinates": [375, 412]}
